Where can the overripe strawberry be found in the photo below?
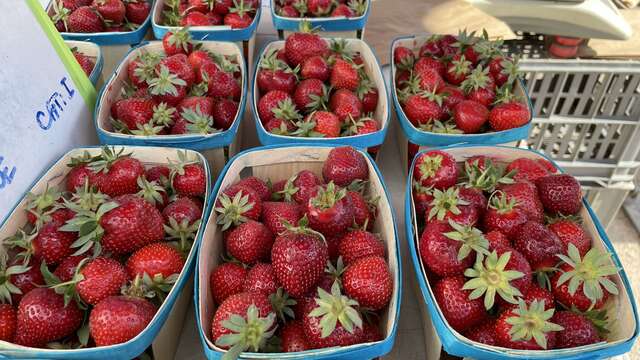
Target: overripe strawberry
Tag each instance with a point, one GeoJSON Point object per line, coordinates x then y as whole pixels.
{"type": "Point", "coordinates": [101, 277]}
{"type": "Point", "coordinates": [357, 244]}
{"type": "Point", "coordinates": [504, 214]}
{"type": "Point", "coordinates": [538, 244]}
{"type": "Point", "coordinates": [249, 242]}
{"type": "Point", "coordinates": [460, 312]}
{"type": "Point", "coordinates": [368, 281]}
{"type": "Point", "coordinates": [224, 85]}
{"type": "Point", "coordinates": [431, 46]}
{"type": "Point", "coordinates": [292, 336]}
{"type": "Point", "coordinates": [315, 67]}
{"type": "Point", "coordinates": [7, 322]}
{"type": "Point", "coordinates": [329, 209]}
{"type": "Point", "coordinates": [560, 194]}
{"type": "Point", "coordinates": [484, 333]}
{"type": "Point", "coordinates": [570, 232]}
{"type": "Point", "coordinates": [529, 327]}
{"type": "Point", "coordinates": [159, 261]}
{"type": "Point", "coordinates": [85, 20]}
{"type": "Point", "coordinates": [20, 276]}
{"type": "Point", "coordinates": [577, 330]}
{"type": "Point", "coordinates": [497, 239]}
{"type": "Point", "coordinates": [304, 44]}
{"type": "Point", "coordinates": [261, 278]}
{"type": "Point", "coordinates": [435, 169]}
{"type": "Point", "coordinates": [345, 103]}
{"type": "Point", "coordinates": [274, 214]}
{"type": "Point", "coordinates": [226, 279]}
{"type": "Point", "coordinates": [345, 165]}
{"type": "Point", "coordinates": [117, 319]}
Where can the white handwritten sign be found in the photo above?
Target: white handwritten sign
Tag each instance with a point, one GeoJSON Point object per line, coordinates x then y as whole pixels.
{"type": "Point", "coordinates": [43, 112]}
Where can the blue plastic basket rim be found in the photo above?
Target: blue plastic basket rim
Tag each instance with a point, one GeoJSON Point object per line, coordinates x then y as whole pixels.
{"type": "Point", "coordinates": [463, 137]}
{"type": "Point", "coordinates": [320, 19]}
{"type": "Point", "coordinates": [324, 351]}
{"type": "Point", "coordinates": [185, 138]}
{"type": "Point", "coordinates": [318, 140]}
{"type": "Point", "coordinates": [440, 324]}
{"type": "Point", "coordinates": [173, 294]}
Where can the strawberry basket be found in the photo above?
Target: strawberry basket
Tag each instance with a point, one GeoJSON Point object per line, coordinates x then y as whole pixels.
{"type": "Point", "coordinates": [443, 136]}
{"type": "Point", "coordinates": [280, 162]}
{"type": "Point", "coordinates": [380, 115]}
{"type": "Point", "coordinates": [160, 336]}
{"type": "Point", "coordinates": [346, 26]}
{"type": "Point", "coordinates": [619, 312]}
{"type": "Point", "coordinates": [122, 36]}
{"type": "Point", "coordinates": [93, 52]}
{"type": "Point", "coordinates": [216, 146]}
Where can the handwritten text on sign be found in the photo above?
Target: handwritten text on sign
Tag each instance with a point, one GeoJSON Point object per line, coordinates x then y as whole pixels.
{"type": "Point", "coordinates": [55, 105]}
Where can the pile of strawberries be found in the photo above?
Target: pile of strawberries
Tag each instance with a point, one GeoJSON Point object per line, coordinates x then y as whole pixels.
{"type": "Point", "coordinates": [311, 88]}
{"type": "Point", "coordinates": [108, 245]}
{"type": "Point", "coordinates": [302, 264]}
{"type": "Point", "coordinates": [457, 85]}
{"type": "Point", "coordinates": [238, 14]}
{"type": "Point", "coordinates": [490, 230]}
{"type": "Point", "coordinates": [86, 62]}
{"type": "Point", "coordinates": [93, 16]}
{"type": "Point", "coordinates": [320, 8]}
{"type": "Point", "coordinates": [186, 90]}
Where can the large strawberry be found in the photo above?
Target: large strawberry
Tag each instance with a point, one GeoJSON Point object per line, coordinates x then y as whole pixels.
{"type": "Point", "coordinates": [118, 319]}
{"type": "Point", "coordinates": [137, 11]}
{"type": "Point", "coordinates": [529, 327]}
{"type": "Point", "coordinates": [435, 169]}
{"type": "Point", "coordinates": [249, 242]}
{"type": "Point", "coordinates": [509, 115]}
{"type": "Point", "coordinates": [329, 209]}
{"type": "Point", "coordinates": [315, 67]}
{"type": "Point", "coordinates": [344, 75]}
{"type": "Point", "coordinates": [448, 249]}
{"type": "Point", "coordinates": [345, 165]}
{"type": "Point", "coordinates": [275, 214]}
{"type": "Point", "coordinates": [159, 261]}
{"type": "Point", "coordinates": [357, 244]}
{"type": "Point", "coordinates": [261, 278]}
{"type": "Point", "coordinates": [110, 10]}
{"type": "Point", "coordinates": [577, 330]}
{"type": "Point", "coordinates": [571, 232]}
{"type": "Point", "coordinates": [304, 44]}
{"type": "Point", "coordinates": [368, 281]}
{"type": "Point", "coordinates": [309, 95]}
{"type": "Point", "coordinates": [538, 244]}
{"type": "Point", "coordinates": [101, 277]}
{"type": "Point", "coordinates": [227, 279]}
{"type": "Point", "coordinates": [560, 194]}
{"type": "Point", "coordinates": [504, 214]}
{"type": "Point", "coordinates": [188, 177]}
{"type": "Point", "coordinates": [117, 173]}
{"type": "Point", "coordinates": [423, 108]}
{"type": "Point", "coordinates": [277, 104]}
{"type": "Point", "coordinates": [470, 116]}
{"type": "Point", "coordinates": [299, 256]}
{"type": "Point", "coordinates": [460, 312]}
{"type": "Point", "coordinates": [84, 20]}
{"type": "Point", "coordinates": [345, 103]}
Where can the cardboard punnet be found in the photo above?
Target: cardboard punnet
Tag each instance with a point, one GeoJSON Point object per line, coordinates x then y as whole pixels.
{"type": "Point", "coordinates": [276, 163]}
{"type": "Point", "coordinates": [162, 333]}
{"type": "Point", "coordinates": [621, 309]}
{"type": "Point", "coordinates": [381, 114]}
{"type": "Point", "coordinates": [95, 53]}
{"type": "Point", "coordinates": [216, 147]}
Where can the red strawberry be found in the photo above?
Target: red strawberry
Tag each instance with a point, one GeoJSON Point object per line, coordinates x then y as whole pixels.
{"type": "Point", "coordinates": [526, 169]}
{"type": "Point", "coordinates": [425, 64]}
{"type": "Point", "coordinates": [368, 281]}
{"type": "Point", "coordinates": [479, 86]}
{"type": "Point", "coordinates": [7, 322]}
{"type": "Point", "coordinates": [345, 103]}
{"type": "Point", "coordinates": [261, 278]}
{"type": "Point", "coordinates": [78, 175]}
{"type": "Point", "coordinates": [345, 165]}
{"type": "Point", "coordinates": [319, 7]}
{"type": "Point", "coordinates": [222, 6]}
{"type": "Point", "coordinates": [302, 45]}
{"type": "Point", "coordinates": [368, 94]}
{"type": "Point", "coordinates": [85, 20]}
{"type": "Point", "coordinates": [526, 196]}
{"type": "Point", "coordinates": [315, 67]}
{"type": "Point", "coordinates": [300, 187]}
{"type": "Point", "coordinates": [118, 319]}
{"type": "Point", "coordinates": [452, 96]}
{"type": "Point", "coordinates": [205, 104]}
{"type": "Point", "coordinates": [288, 11]}
{"type": "Point", "coordinates": [137, 11]}
{"type": "Point", "coordinates": [292, 336]}
{"type": "Point", "coordinates": [258, 185]}
{"type": "Point", "coordinates": [577, 330]}
{"type": "Point", "coordinates": [42, 317]}
{"type": "Point", "coordinates": [534, 293]}
{"type": "Point", "coordinates": [224, 113]}
{"type": "Point", "coordinates": [460, 312]}
{"type": "Point", "coordinates": [227, 279]}
{"type": "Point", "coordinates": [224, 85]}
{"type": "Point", "coordinates": [52, 245]}
{"type": "Point", "coordinates": [484, 333]}
{"type": "Point", "coordinates": [470, 116]}
{"type": "Point", "coordinates": [538, 244]}
{"type": "Point", "coordinates": [447, 251]}
{"type": "Point", "coordinates": [86, 63]}
{"type": "Point", "coordinates": [504, 214]}
{"type": "Point", "coordinates": [422, 197]}
{"type": "Point", "coordinates": [250, 242]}
{"type": "Point", "coordinates": [547, 164]}
{"type": "Point", "coordinates": [274, 213]}
{"type": "Point", "coordinates": [134, 112]}
{"type": "Point", "coordinates": [457, 70]}
{"type": "Point", "coordinates": [431, 47]}
{"type": "Point", "coordinates": [238, 16]}
{"type": "Point", "coordinates": [430, 80]}
{"type": "Point", "coordinates": [562, 52]}
{"type": "Point", "coordinates": [452, 204]}
{"type": "Point", "coordinates": [298, 258]}
{"type": "Point", "coordinates": [198, 5]}
{"type": "Point", "coordinates": [560, 194]}
{"type": "Point", "coordinates": [320, 123]}
{"type": "Point", "coordinates": [102, 277]}
{"type": "Point", "coordinates": [177, 42]}
{"type": "Point", "coordinates": [258, 316]}
{"type": "Point", "coordinates": [275, 75]}
{"type": "Point", "coordinates": [570, 232]}
{"type": "Point", "coordinates": [197, 59]}
{"type": "Point", "coordinates": [357, 244]}
{"type": "Point", "coordinates": [236, 205]}
{"type": "Point", "coordinates": [195, 18]}
{"type": "Point", "coordinates": [503, 70]}
{"type": "Point", "coordinates": [25, 278]}
{"type": "Point", "coordinates": [509, 115]}
{"type": "Point", "coordinates": [424, 108]}
{"type": "Point", "coordinates": [529, 327]}
{"type": "Point", "coordinates": [344, 75]}
{"type": "Point", "coordinates": [308, 94]}
{"type": "Point", "coordinates": [403, 57]}
{"type": "Point", "coordinates": [275, 103]}
{"type": "Point", "coordinates": [117, 174]}
{"type": "Point", "coordinates": [435, 169]}
{"type": "Point", "coordinates": [364, 212]}
{"type": "Point", "coordinates": [497, 239]}
{"type": "Point", "coordinates": [110, 10]}
{"type": "Point", "coordinates": [67, 267]}
{"type": "Point", "coordinates": [329, 209]}
{"type": "Point", "coordinates": [189, 179]}
{"type": "Point", "coordinates": [155, 259]}
{"type": "Point", "coordinates": [183, 208]}
{"type": "Point", "coordinates": [517, 262]}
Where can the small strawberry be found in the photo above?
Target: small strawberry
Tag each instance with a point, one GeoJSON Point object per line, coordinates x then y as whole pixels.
{"type": "Point", "coordinates": [153, 193]}
{"type": "Point", "coordinates": [188, 177]}
{"type": "Point", "coordinates": [158, 261]}
{"type": "Point", "coordinates": [182, 209]}
{"type": "Point", "coordinates": [224, 113]}
{"type": "Point", "coordinates": [509, 115]}
{"type": "Point", "coordinates": [237, 205]}
{"type": "Point", "coordinates": [368, 95]}
{"type": "Point", "coordinates": [484, 333]}
{"type": "Point", "coordinates": [223, 84]}
{"type": "Point", "coordinates": [534, 293]}
{"type": "Point", "coordinates": [292, 336]}
{"type": "Point", "coordinates": [538, 244]}
{"type": "Point", "coordinates": [261, 278]}
{"type": "Point", "coordinates": [101, 277]}
{"type": "Point", "coordinates": [304, 44]}
{"type": "Point", "coordinates": [526, 169]}
{"type": "Point", "coordinates": [177, 42]}
{"type": "Point", "coordinates": [300, 187]}
{"type": "Point", "coordinates": [479, 86]}
{"type": "Point", "coordinates": [226, 279]}
{"type": "Point", "coordinates": [288, 11]}
{"type": "Point", "coordinates": [422, 197]}
{"type": "Point", "coordinates": [84, 20]}
{"type": "Point", "coordinates": [457, 70]}
{"type": "Point", "coordinates": [357, 244]}
{"type": "Point", "coordinates": [315, 67]}
{"type": "Point", "coordinates": [503, 71]}
{"type": "Point", "coordinates": [460, 312]}
{"type": "Point", "coordinates": [470, 116]}
{"type": "Point", "coordinates": [105, 331]}
{"type": "Point", "coordinates": [20, 279]}
{"type": "Point", "coordinates": [560, 194]}
{"type": "Point", "coordinates": [345, 103]}
{"type": "Point", "coordinates": [570, 232]}
{"type": "Point", "coordinates": [504, 214]}
{"type": "Point", "coordinates": [52, 245]}
{"type": "Point", "coordinates": [249, 242]}
{"type": "Point", "coordinates": [403, 58]}
{"type": "Point", "coordinates": [577, 330]}
{"type": "Point", "coordinates": [529, 327]}
{"type": "Point", "coordinates": [435, 169]}
{"type": "Point", "coordinates": [319, 7]}
{"type": "Point", "coordinates": [452, 205]}
{"type": "Point", "coordinates": [110, 10]}
{"type": "Point", "coordinates": [7, 322]}
{"type": "Point", "coordinates": [85, 62]}
{"type": "Point", "coordinates": [364, 210]}
{"type": "Point", "coordinates": [275, 214]}
{"type": "Point", "coordinates": [159, 174]}
{"type": "Point", "coordinates": [431, 46]}
{"type": "Point", "coordinates": [329, 209]}
{"type": "Point", "coordinates": [195, 18]}
{"type": "Point", "coordinates": [238, 16]}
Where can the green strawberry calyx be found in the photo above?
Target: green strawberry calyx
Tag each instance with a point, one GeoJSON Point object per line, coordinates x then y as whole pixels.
{"type": "Point", "coordinates": [163, 114]}
{"type": "Point", "coordinates": [87, 224]}
{"type": "Point", "coordinates": [165, 83]}
{"type": "Point", "coordinates": [445, 202]}
{"type": "Point", "coordinates": [146, 70]}
{"type": "Point", "coordinates": [327, 197]}
{"type": "Point", "coordinates": [107, 157]}
{"type": "Point", "coordinates": [180, 38]}
{"type": "Point", "coordinates": [37, 204]}
{"type": "Point", "coordinates": [231, 211]}
{"type": "Point", "coordinates": [485, 178]}
{"type": "Point", "coordinates": [288, 190]}
{"type": "Point", "coordinates": [87, 198]}
{"type": "Point", "coordinates": [282, 303]}
{"type": "Point", "coordinates": [182, 231]}
{"type": "Point", "coordinates": [502, 203]}
{"type": "Point", "coordinates": [471, 238]}
{"type": "Point", "coordinates": [439, 127]}
{"type": "Point", "coordinates": [490, 278]}
{"type": "Point", "coordinates": [429, 166]}
{"type": "Point", "coordinates": [302, 228]}
{"type": "Point", "coordinates": [461, 66]}
{"type": "Point", "coordinates": [333, 308]}
{"type": "Point", "coordinates": [67, 289]}
{"type": "Point", "coordinates": [532, 322]}
{"type": "Point", "coordinates": [7, 288]}
{"type": "Point", "coordinates": [247, 333]}
{"type": "Point", "coordinates": [198, 122]}
{"type": "Point", "coordinates": [592, 272]}
{"type": "Point", "coordinates": [477, 79]}
{"type": "Point", "coordinates": [286, 110]}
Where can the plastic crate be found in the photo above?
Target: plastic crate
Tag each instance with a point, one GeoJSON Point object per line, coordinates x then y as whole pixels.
{"type": "Point", "coordinates": [280, 162]}
{"type": "Point", "coordinates": [624, 332]}
{"type": "Point", "coordinates": [94, 52]}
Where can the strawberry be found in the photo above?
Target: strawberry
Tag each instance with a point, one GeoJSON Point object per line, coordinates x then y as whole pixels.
{"type": "Point", "coordinates": [457, 70]}
{"type": "Point", "coordinates": [403, 57]}
{"type": "Point", "coordinates": [274, 104]}
{"type": "Point", "coordinates": [256, 327]}
{"type": "Point", "coordinates": [7, 322]}
{"type": "Point", "coordinates": [309, 94]}
{"type": "Point", "coordinates": [159, 261]}
{"type": "Point", "coordinates": [198, 5]}
{"type": "Point", "coordinates": [20, 276]}
{"type": "Point", "coordinates": [547, 164]}
{"type": "Point", "coordinates": [344, 75]}
{"type": "Point", "coordinates": [86, 63]}
{"type": "Point", "coordinates": [426, 64]}
{"type": "Point", "coordinates": [497, 239]}
{"type": "Point", "coordinates": [581, 280]}
{"type": "Point", "coordinates": [304, 44]}
{"type": "Point", "coordinates": [315, 67]}
{"type": "Point", "coordinates": [526, 169]}
{"type": "Point", "coordinates": [258, 185]}
{"type": "Point", "coordinates": [85, 20]}
{"type": "Point", "coordinates": [518, 263]}
{"type": "Point", "coordinates": [430, 80]}
{"type": "Point", "coordinates": [358, 244]}
{"type": "Point", "coordinates": [274, 214]}
{"type": "Point", "coordinates": [298, 256]}
{"type": "Point", "coordinates": [52, 245]}
{"type": "Point", "coordinates": [452, 96]}
{"type": "Point", "coordinates": [222, 6]}
{"type": "Point", "coordinates": [371, 333]}
{"type": "Point", "coordinates": [479, 86]}
{"type": "Point", "coordinates": [197, 58]}
{"type": "Point", "coordinates": [300, 187]}
{"type": "Point", "coordinates": [534, 293]}
{"type": "Point", "coordinates": [448, 249]}
{"type": "Point", "coordinates": [134, 112]}
{"type": "Point", "coordinates": [42, 317]}
{"type": "Point", "coordinates": [105, 325]}
{"type": "Point", "coordinates": [101, 277]}
{"type": "Point", "coordinates": [560, 194]}
{"type": "Point", "coordinates": [238, 16]}
{"type": "Point", "coordinates": [250, 242]}
{"type": "Point", "coordinates": [319, 7]}
{"type": "Point", "coordinates": [431, 46]}
{"type": "Point", "coordinates": [422, 197]}
{"type": "Point", "coordinates": [504, 214]}
{"type": "Point", "coordinates": [261, 278]}
{"type": "Point", "coordinates": [177, 42]}
{"type": "Point", "coordinates": [368, 281]}
{"type": "Point", "coordinates": [435, 169]}
{"type": "Point", "coordinates": [484, 333]}
{"type": "Point", "coordinates": [319, 123]}
{"type": "Point", "coordinates": [509, 115]}
{"type": "Point", "coordinates": [288, 11]}
{"type": "Point", "coordinates": [224, 85]}
{"type": "Point", "coordinates": [224, 113]}
{"type": "Point", "coordinates": [330, 319]}
{"type": "Point", "coordinates": [423, 108]}
{"type": "Point", "coordinates": [538, 244]}
{"type": "Point", "coordinates": [460, 312]}
{"type": "Point", "coordinates": [40, 204]}
{"type": "Point", "coordinates": [558, 51]}
{"type": "Point", "coordinates": [345, 103]}
{"type": "Point", "coordinates": [292, 336]}
{"type": "Point", "coordinates": [67, 268]}
{"type": "Point", "coordinates": [182, 209]}
{"type": "Point", "coordinates": [570, 232]}
{"type": "Point", "coordinates": [503, 71]}
{"type": "Point", "coordinates": [188, 177]}
{"type": "Point", "coordinates": [577, 330]}
{"type": "Point", "coordinates": [274, 74]}
{"type": "Point", "coordinates": [526, 197]}
{"type": "Point", "coordinates": [364, 210]}
{"type": "Point", "coordinates": [143, 68]}
{"type": "Point", "coordinates": [137, 11]}
{"type": "Point", "coordinates": [203, 103]}
{"type": "Point", "coordinates": [159, 174]}
{"type": "Point", "coordinates": [345, 165]}
{"type": "Point", "coordinates": [451, 205]}
{"type": "Point", "coordinates": [195, 18]}
{"type": "Point", "coordinates": [236, 205]}
{"type": "Point", "coordinates": [368, 95]}
{"type": "Point", "coordinates": [470, 116]}
{"type": "Point", "coordinates": [329, 209]}
{"type": "Point", "coordinates": [110, 10]}
{"type": "Point", "coordinates": [226, 279]}
{"type": "Point", "coordinates": [529, 327]}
